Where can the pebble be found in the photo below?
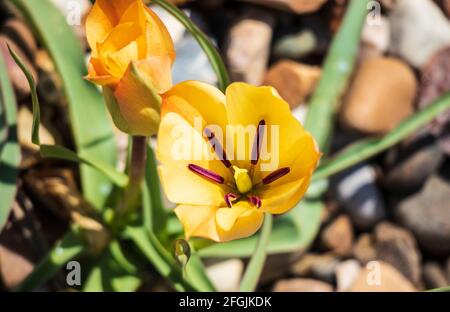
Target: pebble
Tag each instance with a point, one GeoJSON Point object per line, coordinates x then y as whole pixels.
{"type": "Point", "coordinates": [434, 276]}
{"type": "Point", "coordinates": [364, 248]}
{"type": "Point", "coordinates": [382, 91]}
{"type": "Point", "coordinates": [301, 285]}
{"type": "Point", "coordinates": [338, 236]}
{"type": "Point", "coordinates": [377, 35]}
{"type": "Point", "coordinates": [296, 6]}
{"type": "Point", "coordinates": [226, 275]}
{"type": "Point", "coordinates": [293, 81]}
{"type": "Point", "coordinates": [346, 274]}
{"type": "Point", "coordinates": [435, 82]}
{"type": "Point", "coordinates": [427, 215]}
{"type": "Point", "coordinates": [357, 192]}
{"type": "Point", "coordinates": [419, 29]}
{"type": "Point", "coordinates": [319, 266]}
{"type": "Point", "coordinates": [398, 247]}
{"type": "Point", "coordinates": [379, 276]}
{"type": "Point", "coordinates": [410, 163]}
{"type": "Point", "coordinates": [248, 46]}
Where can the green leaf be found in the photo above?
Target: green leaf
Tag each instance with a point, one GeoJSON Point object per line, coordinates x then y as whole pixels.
{"type": "Point", "coordinates": [255, 266]}
{"type": "Point", "coordinates": [155, 217]}
{"type": "Point", "coordinates": [211, 52]}
{"type": "Point", "coordinates": [109, 274]}
{"type": "Point", "coordinates": [291, 232]}
{"type": "Point", "coordinates": [55, 151]}
{"type": "Point", "coordinates": [9, 147]}
{"type": "Point", "coordinates": [70, 247]}
{"type": "Point", "coordinates": [368, 148]}
{"type": "Point", "coordinates": [91, 127]}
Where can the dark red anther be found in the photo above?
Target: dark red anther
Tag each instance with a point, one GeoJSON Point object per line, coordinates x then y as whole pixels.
{"type": "Point", "coordinates": [277, 174]}
{"type": "Point", "coordinates": [208, 174]}
{"type": "Point", "coordinates": [255, 200]}
{"type": "Point", "coordinates": [230, 198]}
{"type": "Point", "coordinates": [256, 149]}
{"type": "Point", "coordinates": [220, 152]}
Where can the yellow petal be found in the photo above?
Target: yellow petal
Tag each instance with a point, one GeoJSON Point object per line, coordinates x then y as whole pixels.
{"type": "Point", "coordinates": [242, 220]}
{"type": "Point", "coordinates": [98, 74]}
{"type": "Point", "coordinates": [280, 199]}
{"type": "Point", "coordinates": [198, 221]}
{"type": "Point", "coordinates": [139, 102]}
{"type": "Point", "coordinates": [179, 144]}
{"type": "Point", "coordinates": [288, 144]}
{"type": "Point", "coordinates": [103, 17]}
{"type": "Point", "coordinates": [185, 187]}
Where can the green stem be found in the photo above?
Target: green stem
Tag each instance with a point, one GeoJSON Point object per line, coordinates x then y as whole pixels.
{"type": "Point", "coordinates": [70, 247]}
{"type": "Point", "coordinates": [443, 289]}
{"type": "Point", "coordinates": [137, 173]}
{"type": "Point", "coordinates": [211, 52]}
{"type": "Point", "coordinates": [368, 148]}
{"type": "Point", "coordinates": [256, 264]}
{"type": "Point", "coordinates": [336, 74]}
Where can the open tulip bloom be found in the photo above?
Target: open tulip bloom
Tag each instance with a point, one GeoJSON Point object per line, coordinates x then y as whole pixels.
{"type": "Point", "coordinates": [226, 159]}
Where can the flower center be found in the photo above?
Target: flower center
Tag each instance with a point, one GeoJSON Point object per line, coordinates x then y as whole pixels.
{"type": "Point", "coordinates": [242, 179]}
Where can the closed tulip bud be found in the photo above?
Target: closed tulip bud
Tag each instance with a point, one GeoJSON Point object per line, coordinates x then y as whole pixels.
{"type": "Point", "coordinates": [131, 59]}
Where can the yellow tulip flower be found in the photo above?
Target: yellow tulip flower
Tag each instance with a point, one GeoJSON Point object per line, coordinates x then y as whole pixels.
{"type": "Point", "coordinates": [226, 159]}
{"type": "Point", "coordinates": [132, 55]}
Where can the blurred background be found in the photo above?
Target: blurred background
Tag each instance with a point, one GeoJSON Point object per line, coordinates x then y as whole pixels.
{"type": "Point", "coordinates": [393, 209]}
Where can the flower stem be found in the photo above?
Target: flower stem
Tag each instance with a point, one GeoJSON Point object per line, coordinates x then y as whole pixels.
{"type": "Point", "coordinates": [137, 173]}
{"type": "Point", "coordinates": [256, 264]}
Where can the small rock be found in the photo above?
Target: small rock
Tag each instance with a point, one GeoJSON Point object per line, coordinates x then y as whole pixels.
{"type": "Point", "coordinates": [320, 266]}
{"type": "Point", "coordinates": [338, 236]}
{"type": "Point", "coordinates": [377, 34]}
{"type": "Point", "coordinates": [226, 275]}
{"type": "Point", "coordinates": [379, 276]}
{"type": "Point", "coordinates": [409, 164]}
{"type": "Point", "coordinates": [25, 122]}
{"type": "Point", "coordinates": [346, 274]}
{"type": "Point", "coordinates": [434, 276]}
{"type": "Point", "coordinates": [302, 285]}
{"type": "Point", "coordinates": [293, 81]}
{"type": "Point", "coordinates": [364, 249]}
{"type": "Point", "coordinates": [357, 191]}
{"type": "Point", "coordinates": [419, 29]}
{"type": "Point", "coordinates": [248, 47]}
{"type": "Point", "coordinates": [398, 247]}
{"type": "Point", "coordinates": [427, 215]}
{"type": "Point", "coordinates": [19, 32]}
{"type": "Point", "coordinates": [383, 92]}
{"type": "Point", "coordinates": [435, 82]}
{"type": "Point", "coordinates": [296, 6]}
{"type": "Point", "coordinates": [18, 79]}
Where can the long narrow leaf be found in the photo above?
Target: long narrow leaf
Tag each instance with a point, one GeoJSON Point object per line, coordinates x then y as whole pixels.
{"type": "Point", "coordinates": [9, 147]}
{"type": "Point", "coordinates": [55, 151]}
{"type": "Point", "coordinates": [91, 127]}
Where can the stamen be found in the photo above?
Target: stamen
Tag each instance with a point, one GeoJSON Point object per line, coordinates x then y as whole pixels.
{"type": "Point", "coordinates": [256, 149]}
{"type": "Point", "coordinates": [277, 174]}
{"type": "Point", "coordinates": [230, 198]}
{"type": "Point", "coordinates": [208, 174]}
{"type": "Point", "coordinates": [255, 200]}
{"type": "Point", "coordinates": [215, 144]}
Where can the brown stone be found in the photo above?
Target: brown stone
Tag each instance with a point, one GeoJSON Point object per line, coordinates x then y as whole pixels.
{"type": "Point", "coordinates": [248, 46]}
{"type": "Point", "coordinates": [434, 276]}
{"type": "Point", "coordinates": [301, 285]}
{"type": "Point", "coordinates": [397, 246]}
{"type": "Point", "coordinates": [297, 6]}
{"type": "Point", "coordinates": [379, 276]}
{"type": "Point", "coordinates": [320, 266]}
{"type": "Point", "coordinates": [294, 81]}
{"type": "Point", "coordinates": [364, 249]}
{"type": "Point", "coordinates": [338, 236]}
{"type": "Point", "coordinates": [381, 96]}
